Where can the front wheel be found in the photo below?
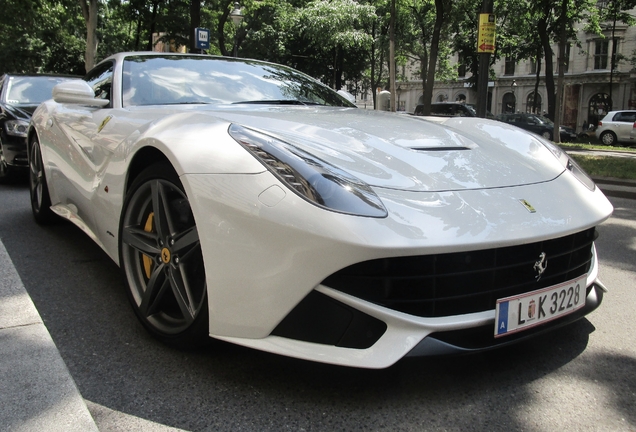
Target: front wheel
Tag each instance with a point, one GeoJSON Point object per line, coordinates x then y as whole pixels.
{"type": "Point", "coordinates": [547, 135]}
{"type": "Point", "coordinates": [38, 188]}
{"type": "Point", "coordinates": [161, 258]}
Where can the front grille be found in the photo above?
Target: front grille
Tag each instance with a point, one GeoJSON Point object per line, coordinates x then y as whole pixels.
{"type": "Point", "coordinates": [464, 282]}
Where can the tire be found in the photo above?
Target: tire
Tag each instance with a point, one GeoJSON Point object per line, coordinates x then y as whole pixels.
{"type": "Point", "coordinates": [161, 259]}
{"type": "Point", "coordinates": [547, 135]}
{"type": "Point", "coordinates": [38, 187]}
{"type": "Point", "coordinates": [608, 138]}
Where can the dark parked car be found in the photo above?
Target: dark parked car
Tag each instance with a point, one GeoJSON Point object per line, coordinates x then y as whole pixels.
{"type": "Point", "coordinates": [448, 109]}
{"type": "Point", "coordinates": [538, 124]}
{"type": "Point", "coordinates": [19, 97]}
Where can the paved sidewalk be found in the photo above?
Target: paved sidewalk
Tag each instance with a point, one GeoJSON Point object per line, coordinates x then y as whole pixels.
{"type": "Point", "coordinates": [37, 392]}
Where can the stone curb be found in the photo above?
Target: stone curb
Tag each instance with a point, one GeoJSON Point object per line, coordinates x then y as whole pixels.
{"type": "Point", "coordinates": [37, 391]}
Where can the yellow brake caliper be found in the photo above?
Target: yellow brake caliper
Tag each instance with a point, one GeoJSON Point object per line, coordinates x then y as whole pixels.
{"type": "Point", "coordinates": [148, 262]}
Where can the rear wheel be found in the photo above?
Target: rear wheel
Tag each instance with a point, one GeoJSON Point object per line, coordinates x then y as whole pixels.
{"type": "Point", "coordinates": [38, 188]}
{"type": "Point", "coordinates": [547, 135]}
{"type": "Point", "coordinates": [608, 138]}
{"type": "Point", "coordinates": [161, 258]}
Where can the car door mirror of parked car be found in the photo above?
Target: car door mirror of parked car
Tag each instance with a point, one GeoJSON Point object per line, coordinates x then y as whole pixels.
{"type": "Point", "coordinates": [77, 92]}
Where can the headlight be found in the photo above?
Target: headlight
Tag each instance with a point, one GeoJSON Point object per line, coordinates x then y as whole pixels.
{"type": "Point", "coordinates": [311, 178]}
{"type": "Point", "coordinates": [16, 127]}
{"type": "Point", "coordinates": [570, 165]}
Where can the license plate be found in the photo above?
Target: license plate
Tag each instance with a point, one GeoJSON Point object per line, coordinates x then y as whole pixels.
{"type": "Point", "coordinates": [517, 313]}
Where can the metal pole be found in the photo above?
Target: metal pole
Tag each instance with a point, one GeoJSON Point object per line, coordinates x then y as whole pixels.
{"type": "Point", "coordinates": [482, 74]}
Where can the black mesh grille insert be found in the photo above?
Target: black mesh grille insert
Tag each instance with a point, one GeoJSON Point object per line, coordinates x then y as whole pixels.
{"type": "Point", "coordinates": [464, 282]}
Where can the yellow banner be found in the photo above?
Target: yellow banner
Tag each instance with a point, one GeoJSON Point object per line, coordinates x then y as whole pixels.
{"type": "Point", "coordinates": [486, 34]}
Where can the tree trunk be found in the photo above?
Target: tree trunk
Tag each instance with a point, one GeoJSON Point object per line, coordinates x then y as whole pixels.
{"type": "Point", "coordinates": [432, 61]}
{"type": "Point", "coordinates": [549, 69]}
{"type": "Point", "coordinates": [372, 57]}
{"type": "Point", "coordinates": [536, 85]}
{"type": "Point", "coordinates": [89, 11]}
{"type": "Point", "coordinates": [560, 83]}
{"type": "Point", "coordinates": [220, 28]}
{"type": "Point", "coordinates": [392, 56]}
{"type": "Point", "coordinates": [153, 23]}
{"type": "Point", "coordinates": [195, 21]}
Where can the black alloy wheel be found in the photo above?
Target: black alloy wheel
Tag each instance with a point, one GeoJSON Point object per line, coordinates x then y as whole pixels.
{"type": "Point", "coordinates": [161, 258]}
{"type": "Point", "coordinates": [38, 188]}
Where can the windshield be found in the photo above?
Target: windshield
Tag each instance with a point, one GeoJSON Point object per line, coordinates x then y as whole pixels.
{"type": "Point", "coordinates": [161, 80]}
{"type": "Point", "coordinates": [544, 120]}
{"type": "Point", "coordinates": [31, 90]}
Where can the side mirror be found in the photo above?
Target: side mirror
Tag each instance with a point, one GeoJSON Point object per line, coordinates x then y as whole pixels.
{"type": "Point", "coordinates": [348, 96]}
{"type": "Point", "coordinates": [77, 92]}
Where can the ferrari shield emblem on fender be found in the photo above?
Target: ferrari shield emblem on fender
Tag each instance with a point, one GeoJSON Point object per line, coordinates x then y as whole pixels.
{"type": "Point", "coordinates": [527, 205]}
{"type": "Point", "coordinates": [104, 123]}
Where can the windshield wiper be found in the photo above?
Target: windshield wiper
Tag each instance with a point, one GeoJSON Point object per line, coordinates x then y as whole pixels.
{"type": "Point", "coordinates": [278, 102]}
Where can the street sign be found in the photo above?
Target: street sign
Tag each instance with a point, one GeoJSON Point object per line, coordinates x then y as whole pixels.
{"type": "Point", "coordinates": [486, 34]}
{"type": "Point", "coordinates": [202, 38]}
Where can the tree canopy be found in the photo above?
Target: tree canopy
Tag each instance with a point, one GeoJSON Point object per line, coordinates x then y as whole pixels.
{"type": "Point", "coordinates": [336, 41]}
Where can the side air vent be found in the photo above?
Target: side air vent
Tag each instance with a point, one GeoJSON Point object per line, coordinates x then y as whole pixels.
{"type": "Point", "coordinates": [323, 320]}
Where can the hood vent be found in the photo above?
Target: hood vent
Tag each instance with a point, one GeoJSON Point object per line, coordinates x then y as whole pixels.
{"type": "Point", "coordinates": [440, 148]}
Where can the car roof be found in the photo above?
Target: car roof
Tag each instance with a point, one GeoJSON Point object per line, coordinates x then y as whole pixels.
{"type": "Point", "coordinates": [624, 110]}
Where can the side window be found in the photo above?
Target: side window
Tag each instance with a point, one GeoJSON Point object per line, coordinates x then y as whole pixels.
{"type": "Point", "coordinates": [442, 110]}
{"type": "Point", "coordinates": [629, 117]}
{"type": "Point", "coordinates": [101, 80]}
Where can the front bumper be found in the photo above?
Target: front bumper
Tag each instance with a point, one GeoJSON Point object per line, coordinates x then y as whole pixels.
{"type": "Point", "coordinates": [14, 150]}
{"type": "Point", "coordinates": [266, 250]}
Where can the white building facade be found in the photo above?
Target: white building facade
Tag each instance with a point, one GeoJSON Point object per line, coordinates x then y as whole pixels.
{"type": "Point", "coordinates": [587, 96]}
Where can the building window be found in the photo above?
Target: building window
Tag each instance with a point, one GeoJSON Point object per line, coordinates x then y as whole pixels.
{"type": "Point", "coordinates": [601, 48]}
{"type": "Point", "coordinates": [615, 51]}
{"type": "Point", "coordinates": [532, 100]}
{"type": "Point", "coordinates": [461, 68]}
{"type": "Point", "coordinates": [510, 66]}
{"type": "Point", "coordinates": [461, 98]}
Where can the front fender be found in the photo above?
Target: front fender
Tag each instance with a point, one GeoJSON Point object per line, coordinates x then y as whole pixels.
{"type": "Point", "coordinates": [197, 144]}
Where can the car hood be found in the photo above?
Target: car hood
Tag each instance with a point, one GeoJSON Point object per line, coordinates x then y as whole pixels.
{"type": "Point", "coordinates": [22, 112]}
{"type": "Point", "coordinates": [409, 153]}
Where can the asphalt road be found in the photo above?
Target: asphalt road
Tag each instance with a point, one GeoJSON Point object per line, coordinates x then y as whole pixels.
{"type": "Point", "coordinates": [579, 378]}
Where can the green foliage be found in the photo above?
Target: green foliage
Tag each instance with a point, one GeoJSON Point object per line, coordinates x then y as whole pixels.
{"type": "Point", "coordinates": [599, 166]}
{"type": "Point", "coordinates": [329, 39]}
{"type": "Point", "coordinates": [40, 36]}
{"type": "Point", "coordinates": [336, 41]}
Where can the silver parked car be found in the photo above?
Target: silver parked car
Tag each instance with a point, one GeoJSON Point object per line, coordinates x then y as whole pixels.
{"type": "Point", "coordinates": [616, 127]}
